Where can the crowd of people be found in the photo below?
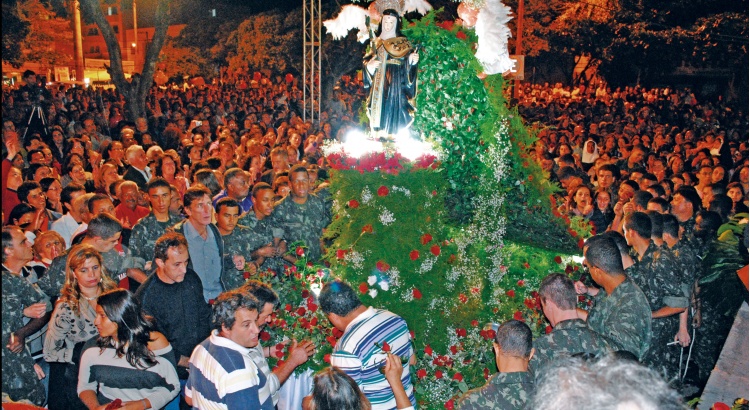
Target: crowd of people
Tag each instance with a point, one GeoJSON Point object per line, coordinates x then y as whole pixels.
{"type": "Point", "coordinates": [142, 236]}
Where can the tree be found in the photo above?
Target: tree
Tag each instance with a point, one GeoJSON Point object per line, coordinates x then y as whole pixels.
{"type": "Point", "coordinates": [135, 90]}
{"type": "Point", "coordinates": [269, 40]}
{"type": "Point", "coordinates": [15, 30]}
{"type": "Point", "coordinates": [46, 30]}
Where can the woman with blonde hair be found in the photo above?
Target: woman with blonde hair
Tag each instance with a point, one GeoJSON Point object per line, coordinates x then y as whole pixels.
{"type": "Point", "coordinates": [106, 176]}
{"type": "Point", "coordinates": [72, 323]}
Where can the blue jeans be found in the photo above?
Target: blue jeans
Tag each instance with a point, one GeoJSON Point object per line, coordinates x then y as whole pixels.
{"type": "Point", "coordinates": [175, 404]}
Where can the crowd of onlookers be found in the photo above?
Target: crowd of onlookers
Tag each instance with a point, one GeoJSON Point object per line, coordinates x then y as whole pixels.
{"type": "Point", "coordinates": [213, 183]}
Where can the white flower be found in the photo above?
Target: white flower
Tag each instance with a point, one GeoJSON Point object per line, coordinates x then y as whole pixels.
{"type": "Point", "coordinates": [373, 293]}
{"type": "Point", "coordinates": [366, 195]}
{"type": "Point", "coordinates": [384, 285]}
{"type": "Point", "coordinates": [371, 280]}
{"type": "Point", "coordinates": [386, 217]}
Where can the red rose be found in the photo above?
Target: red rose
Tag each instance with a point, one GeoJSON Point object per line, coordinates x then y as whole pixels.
{"type": "Point", "coordinates": [300, 251]}
{"type": "Point", "coordinates": [426, 238]}
{"type": "Point", "coordinates": [414, 255]}
{"type": "Point", "coordinates": [367, 228]}
{"type": "Point", "coordinates": [265, 336]}
{"type": "Point", "coordinates": [354, 204]}
{"type": "Point", "coordinates": [363, 287]}
{"type": "Point", "coordinates": [720, 406]}
{"type": "Point", "coordinates": [246, 275]}
{"type": "Point", "coordinates": [463, 298]}
{"type": "Point", "coordinates": [521, 283]}
{"type": "Point", "coordinates": [337, 333]}
{"type": "Point", "coordinates": [475, 290]}
{"type": "Point", "coordinates": [279, 354]}
{"type": "Point", "coordinates": [491, 334]}
{"type": "Point", "coordinates": [461, 332]}
{"type": "Point", "coordinates": [558, 259]}
{"type": "Point", "coordinates": [421, 373]}
{"type": "Point", "coordinates": [312, 307]}
{"type": "Point", "coordinates": [417, 294]}
{"type": "Point", "coordinates": [458, 377]}
{"type": "Point", "coordinates": [568, 269]}
{"type": "Point", "coordinates": [382, 266]}
{"type": "Point", "coordinates": [580, 243]}
{"type": "Point", "coordinates": [386, 347]}
{"type": "Point", "coordinates": [475, 323]}
{"type": "Point", "coordinates": [305, 293]}
{"type": "Point", "coordinates": [486, 373]}
{"type": "Point", "coordinates": [331, 340]}
{"type": "Point", "coordinates": [428, 350]}
{"type": "Point", "coordinates": [383, 190]}
{"type": "Point", "coordinates": [438, 374]}
{"type": "Point", "coordinates": [434, 193]}
{"type": "Point", "coordinates": [435, 249]}
{"type": "Point", "coordinates": [531, 177]}
{"type": "Point", "coordinates": [548, 329]}
{"type": "Point", "coordinates": [529, 303]}
{"type": "Point", "coordinates": [461, 35]}
{"type": "Point", "coordinates": [518, 316]}
{"type": "Point", "coordinates": [450, 404]}
{"type": "Point", "coordinates": [526, 265]}
{"type": "Point", "coordinates": [454, 349]}
{"type": "Point", "coordinates": [340, 254]}
{"type": "Point", "coordinates": [511, 293]}
{"type": "Point", "coordinates": [327, 358]}
{"type": "Point", "coordinates": [288, 307]}
{"type": "Point", "coordinates": [301, 311]}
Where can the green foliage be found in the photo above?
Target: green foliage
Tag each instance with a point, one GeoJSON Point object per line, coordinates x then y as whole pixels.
{"type": "Point", "coordinates": [15, 30]}
{"type": "Point", "coordinates": [266, 41]}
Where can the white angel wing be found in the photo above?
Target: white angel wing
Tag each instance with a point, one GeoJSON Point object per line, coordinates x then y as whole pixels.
{"type": "Point", "coordinates": [493, 34]}
{"type": "Point", "coordinates": [420, 6]}
{"type": "Point", "coordinates": [350, 17]}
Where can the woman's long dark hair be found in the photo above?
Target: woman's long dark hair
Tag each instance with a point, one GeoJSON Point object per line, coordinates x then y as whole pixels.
{"type": "Point", "coordinates": [133, 328]}
{"type": "Point", "coordinates": [335, 390]}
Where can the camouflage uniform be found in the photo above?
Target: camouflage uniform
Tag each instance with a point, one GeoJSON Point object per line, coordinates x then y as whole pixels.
{"type": "Point", "coordinates": [503, 391]}
{"type": "Point", "coordinates": [115, 263]}
{"type": "Point", "coordinates": [146, 232]}
{"type": "Point", "coordinates": [568, 337]}
{"type": "Point", "coordinates": [624, 317]}
{"type": "Point", "coordinates": [235, 244]}
{"type": "Point", "coordinates": [260, 234]}
{"type": "Point", "coordinates": [666, 287]}
{"type": "Point", "coordinates": [19, 378]}
{"type": "Point", "coordinates": [302, 222]}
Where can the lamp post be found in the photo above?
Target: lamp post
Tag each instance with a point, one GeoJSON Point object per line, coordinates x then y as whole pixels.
{"type": "Point", "coordinates": [79, 66]}
{"type": "Point", "coordinates": [135, 35]}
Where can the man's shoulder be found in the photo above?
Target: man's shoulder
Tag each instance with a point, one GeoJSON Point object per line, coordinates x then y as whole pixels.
{"type": "Point", "coordinates": [502, 391]}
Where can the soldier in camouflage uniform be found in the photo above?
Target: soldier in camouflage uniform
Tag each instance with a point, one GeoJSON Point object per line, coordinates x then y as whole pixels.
{"type": "Point", "coordinates": [264, 253]}
{"type": "Point", "coordinates": [302, 215]}
{"type": "Point", "coordinates": [621, 313]}
{"type": "Point", "coordinates": [685, 204]}
{"type": "Point", "coordinates": [152, 226]}
{"type": "Point", "coordinates": [665, 293]}
{"type": "Point", "coordinates": [19, 298]}
{"type": "Point", "coordinates": [235, 244]}
{"type": "Point", "coordinates": [513, 386]}
{"type": "Point", "coordinates": [570, 335]}
{"type": "Point", "coordinates": [103, 233]}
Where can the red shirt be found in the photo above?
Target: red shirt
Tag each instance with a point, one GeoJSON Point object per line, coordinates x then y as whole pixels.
{"type": "Point", "coordinates": [128, 217]}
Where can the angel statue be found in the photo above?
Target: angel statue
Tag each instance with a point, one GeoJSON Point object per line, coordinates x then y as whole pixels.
{"type": "Point", "coordinates": [390, 73]}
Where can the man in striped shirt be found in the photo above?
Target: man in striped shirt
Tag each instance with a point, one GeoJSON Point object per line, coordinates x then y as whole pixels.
{"type": "Point", "coordinates": [222, 373]}
{"type": "Point", "coordinates": [368, 334]}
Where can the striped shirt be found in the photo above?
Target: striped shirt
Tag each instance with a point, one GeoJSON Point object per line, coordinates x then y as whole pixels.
{"type": "Point", "coordinates": [113, 377]}
{"type": "Point", "coordinates": [224, 376]}
{"type": "Point", "coordinates": [272, 384]}
{"type": "Point", "coordinates": [357, 354]}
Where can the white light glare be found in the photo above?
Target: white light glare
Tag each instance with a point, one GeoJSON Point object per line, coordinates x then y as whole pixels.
{"type": "Point", "coordinates": [411, 148]}
{"type": "Point", "coordinates": [357, 144]}
{"type": "Point", "coordinates": [315, 289]}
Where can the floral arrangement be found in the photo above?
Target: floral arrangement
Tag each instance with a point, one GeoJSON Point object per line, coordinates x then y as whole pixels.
{"type": "Point", "coordinates": [299, 316]}
{"type": "Point", "coordinates": [391, 238]}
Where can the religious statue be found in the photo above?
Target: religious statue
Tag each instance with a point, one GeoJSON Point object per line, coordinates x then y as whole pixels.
{"type": "Point", "coordinates": [390, 73]}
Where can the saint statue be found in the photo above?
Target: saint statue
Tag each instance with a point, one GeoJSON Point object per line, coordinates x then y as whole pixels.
{"type": "Point", "coordinates": [390, 74]}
